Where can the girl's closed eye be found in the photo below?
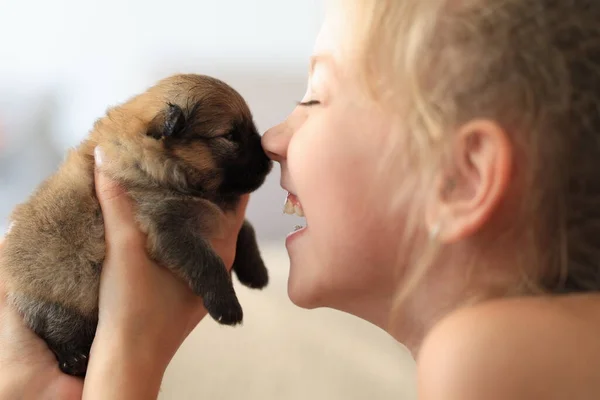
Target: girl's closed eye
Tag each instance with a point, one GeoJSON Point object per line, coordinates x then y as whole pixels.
{"type": "Point", "coordinates": [309, 103]}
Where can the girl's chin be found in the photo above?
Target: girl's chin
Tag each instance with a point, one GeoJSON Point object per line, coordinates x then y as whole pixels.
{"type": "Point", "coordinates": [302, 293]}
{"type": "Point", "coordinates": [301, 285]}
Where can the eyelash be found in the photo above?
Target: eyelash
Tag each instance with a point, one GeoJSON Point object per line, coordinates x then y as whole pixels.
{"type": "Point", "coordinates": [309, 103]}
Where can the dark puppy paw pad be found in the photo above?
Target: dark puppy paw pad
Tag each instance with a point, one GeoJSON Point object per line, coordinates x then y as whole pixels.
{"type": "Point", "coordinates": [226, 313]}
{"type": "Point", "coordinates": [229, 318]}
{"type": "Point", "coordinates": [256, 282]}
{"type": "Point", "coordinates": [75, 365]}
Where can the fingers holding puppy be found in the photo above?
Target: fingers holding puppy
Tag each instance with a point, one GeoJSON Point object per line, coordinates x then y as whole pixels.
{"type": "Point", "coordinates": [121, 230]}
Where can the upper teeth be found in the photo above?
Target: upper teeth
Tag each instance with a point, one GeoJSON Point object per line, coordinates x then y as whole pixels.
{"type": "Point", "coordinates": [288, 207]}
{"type": "Point", "coordinates": [291, 209]}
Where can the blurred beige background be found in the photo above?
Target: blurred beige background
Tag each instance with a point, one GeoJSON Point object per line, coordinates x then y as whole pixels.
{"type": "Point", "coordinates": [62, 63]}
{"type": "Point", "coordinates": [286, 353]}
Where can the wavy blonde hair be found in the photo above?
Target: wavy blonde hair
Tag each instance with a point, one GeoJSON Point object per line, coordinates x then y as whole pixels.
{"type": "Point", "coordinates": [533, 66]}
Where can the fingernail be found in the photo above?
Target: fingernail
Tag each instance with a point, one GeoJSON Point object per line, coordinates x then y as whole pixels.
{"type": "Point", "coordinates": [98, 156]}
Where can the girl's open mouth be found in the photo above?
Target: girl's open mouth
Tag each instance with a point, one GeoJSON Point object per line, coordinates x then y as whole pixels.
{"type": "Point", "coordinates": [292, 206]}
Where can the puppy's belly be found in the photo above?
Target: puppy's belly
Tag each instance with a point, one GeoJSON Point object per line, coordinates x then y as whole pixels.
{"type": "Point", "coordinates": [58, 325]}
{"type": "Point", "coordinates": [66, 332]}
{"type": "Point", "coordinates": [55, 289]}
{"type": "Point", "coordinates": [77, 291]}
{"type": "Point", "coordinates": [54, 263]}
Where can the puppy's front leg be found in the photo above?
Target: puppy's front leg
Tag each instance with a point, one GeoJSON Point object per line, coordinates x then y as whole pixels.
{"type": "Point", "coordinates": [248, 264]}
{"type": "Point", "coordinates": [176, 234]}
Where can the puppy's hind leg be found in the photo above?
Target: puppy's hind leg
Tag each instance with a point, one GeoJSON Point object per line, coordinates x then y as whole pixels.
{"type": "Point", "coordinates": [67, 333]}
{"type": "Point", "coordinates": [248, 265]}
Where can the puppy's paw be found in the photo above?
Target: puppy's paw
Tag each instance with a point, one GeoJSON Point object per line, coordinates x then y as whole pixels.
{"type": "Point", "coordinates": [73, 364]}
{"type": "Point", "coordinates": [224, 309]}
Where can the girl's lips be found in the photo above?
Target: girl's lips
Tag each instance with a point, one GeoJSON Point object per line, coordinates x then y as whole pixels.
{"type": "Point", "coordinates": [296, 233]}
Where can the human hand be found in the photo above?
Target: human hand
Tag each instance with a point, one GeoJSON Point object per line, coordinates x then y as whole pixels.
{"type": "Point", "coordinates": [145, 312]}
{"type": "Point", "coordinates": [28, 368]}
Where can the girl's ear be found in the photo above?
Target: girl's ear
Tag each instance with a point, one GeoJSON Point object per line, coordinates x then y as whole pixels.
{"type": "Point", "coordinates": [168, 123]}
{"type": "Point", "coordinates": [465, 196]}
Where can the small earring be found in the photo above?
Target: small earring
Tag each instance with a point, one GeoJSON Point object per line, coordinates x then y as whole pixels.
{"type": "Point", "coordinates": [435, 231]}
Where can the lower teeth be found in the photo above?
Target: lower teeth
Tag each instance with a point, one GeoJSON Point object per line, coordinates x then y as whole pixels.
{"type": "Point", "coordinates": [297, 228]}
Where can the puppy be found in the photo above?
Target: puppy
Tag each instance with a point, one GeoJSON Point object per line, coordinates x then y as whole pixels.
{"type": "Point", "coordinates": [185, 151]}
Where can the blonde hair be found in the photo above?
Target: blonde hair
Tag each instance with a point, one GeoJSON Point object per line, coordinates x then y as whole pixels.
{"type": "Point", "coordinates": [533, 66]}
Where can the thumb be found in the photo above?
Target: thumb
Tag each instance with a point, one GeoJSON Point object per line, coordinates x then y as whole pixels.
{"type": "Point", "coordinates": [120, 226]}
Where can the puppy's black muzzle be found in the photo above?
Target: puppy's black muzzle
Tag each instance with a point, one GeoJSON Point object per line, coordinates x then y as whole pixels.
{"type": "Point", "coordinates": [250, 172]}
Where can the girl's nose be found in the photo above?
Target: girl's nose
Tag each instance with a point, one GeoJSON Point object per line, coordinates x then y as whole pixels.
{"type": "Point", "coordinates": [275, 142]}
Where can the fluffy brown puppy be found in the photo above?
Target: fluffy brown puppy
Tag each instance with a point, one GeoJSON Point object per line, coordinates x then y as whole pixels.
{"type": "Point", "coordinates": [185, 150]}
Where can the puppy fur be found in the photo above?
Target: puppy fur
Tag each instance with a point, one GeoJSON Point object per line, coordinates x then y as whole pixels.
{"type": "Point", "coordinates": [184, 150]}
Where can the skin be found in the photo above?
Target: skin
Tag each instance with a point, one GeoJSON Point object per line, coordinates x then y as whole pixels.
{"type": "Point", "coordinates": [535, 348]}
{"type": "Point", "coordinates": [349, 256]}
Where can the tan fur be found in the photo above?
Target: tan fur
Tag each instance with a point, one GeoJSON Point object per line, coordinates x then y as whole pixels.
{"type": "Point", "coordinates": [181, 185]}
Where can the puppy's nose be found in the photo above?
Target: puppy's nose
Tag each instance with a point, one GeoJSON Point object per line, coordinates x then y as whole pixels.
{"type": "Point", "coordinates": [268, 165]}
{"type": "Point", "coordinates": [266, 161]}
{"type": "Point", "coordinates": [262, 158]}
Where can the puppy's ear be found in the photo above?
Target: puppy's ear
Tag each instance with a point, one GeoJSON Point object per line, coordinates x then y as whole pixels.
{"type": "Point", "coordinates": [168, 123]}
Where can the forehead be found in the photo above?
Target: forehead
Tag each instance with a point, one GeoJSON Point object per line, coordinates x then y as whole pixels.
{"type": "Point", "coordinates": [329, 44]}
{"type": "Point", "coordinates": [331, 33]}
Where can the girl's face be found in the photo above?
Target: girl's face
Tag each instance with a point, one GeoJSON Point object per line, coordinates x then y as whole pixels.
{"type": "Point", "coordinates": [329, 150]}
{"type": "Point", "coordinates": [348, 167]}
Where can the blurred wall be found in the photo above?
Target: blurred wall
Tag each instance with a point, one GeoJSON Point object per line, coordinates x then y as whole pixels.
{"type": "Point", "coordinates": [62, 63]}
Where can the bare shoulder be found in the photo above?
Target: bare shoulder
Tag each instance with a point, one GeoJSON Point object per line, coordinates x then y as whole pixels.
{"type": "Point", "coordinates": [528, 348]}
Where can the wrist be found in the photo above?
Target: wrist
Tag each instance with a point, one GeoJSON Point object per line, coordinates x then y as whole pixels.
{"type": "Point", "coordinates": [120, 369]}
{"type": "Point", "coordinates": [22, 382]}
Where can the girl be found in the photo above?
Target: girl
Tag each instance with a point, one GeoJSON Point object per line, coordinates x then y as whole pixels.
{"type": "Point", "coordinates": [444, 156]}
